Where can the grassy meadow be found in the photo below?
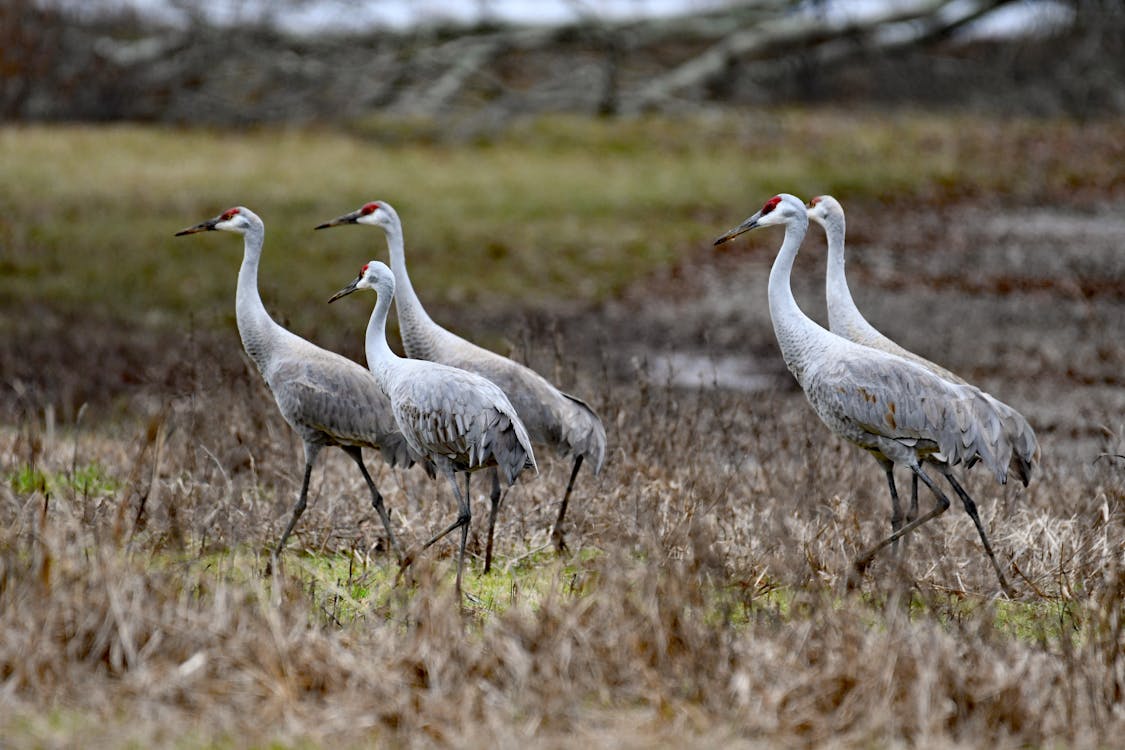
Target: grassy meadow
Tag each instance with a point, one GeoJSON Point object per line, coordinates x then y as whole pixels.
{"type": "Point", "coordinates": [145, 472]}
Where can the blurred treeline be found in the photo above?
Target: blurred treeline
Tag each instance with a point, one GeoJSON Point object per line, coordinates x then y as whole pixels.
{"type": "Point", "coordinates": [102, 61]}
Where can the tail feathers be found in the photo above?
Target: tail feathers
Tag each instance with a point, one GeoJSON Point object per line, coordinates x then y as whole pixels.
{"type": "Point", "coordinates": [511, 450]}
{"type": "Point", "coordinates": [584, 433]}
{"type": "Point", "coordinates": [1008, 444]}
{"type": "Point", "coordinates": [1019, 435]}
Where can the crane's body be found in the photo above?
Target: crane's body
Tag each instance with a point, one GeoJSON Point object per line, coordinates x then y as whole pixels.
{"type": "Point", "coordinates": [554, 419]}
{"type": "Point", "coordinates": [845, 319]}
{"type": "Point", "coordinates": [459, 420]}
{"type": "Point", "coordinates": [894, 408]}
{"type": "Point", "coordinates": [327, 399]}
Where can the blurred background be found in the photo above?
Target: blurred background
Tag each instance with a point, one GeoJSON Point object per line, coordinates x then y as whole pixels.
{"type": "Point", "coordinates": [477, 65]}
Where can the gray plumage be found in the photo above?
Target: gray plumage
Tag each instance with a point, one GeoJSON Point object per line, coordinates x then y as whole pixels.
{"type": "Point", "coordinates": [553, 418]}
{"type": "Point", "coordinates": [326, 398]}
{"type": "Point", "coordinates": [459, 420]}
{"type": "Point", "coordinates": [845, 319]}
{"type": "Point", "coordinates": [894, 408]}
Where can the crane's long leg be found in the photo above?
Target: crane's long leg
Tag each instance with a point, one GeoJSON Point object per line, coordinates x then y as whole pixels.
{"type": "Point", "coordinates": [896, 506]}
{"type": "Point", "coordinates": [464, 516]}
{"type": "Point", "coordinates": [942, 505]}
{"type": "Point", "coordinates": [376, 498]}
{"type": "Point", "coordinates": [971, 509]}
{"type": "Point", "coordinates": [495, 499]}
{"type": "Point", "coordinates": [467, 514]}
{"type": "Point", "coordinates": [556, 532]}
{"type": "Point", "coordinates": [913, 498]}
{"type": "Point", "coordinates": [311, 452]}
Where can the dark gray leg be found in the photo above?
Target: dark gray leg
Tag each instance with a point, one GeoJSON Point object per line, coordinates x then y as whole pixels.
{"type": "Point", "coordinates": [942, 505]}
{"type": "Point", "coordinates": [896, 506]}
{"type": "Point", "coordinates": [556, 532]}
{"type": "Point", "coordinates": [311, 452]}
{"type": "Point", "coordinates": [913, 498]}
{"type": "Point", "coordinates": [464, 516]}
{"type": "Point", "coordinates": [495, 498]}
{"type": "Point", "coordinates": [971, 509]}
{"type": "Point", "coordinates": [467, 514]}
{"type": "Point", "coordinates": [376, 498]}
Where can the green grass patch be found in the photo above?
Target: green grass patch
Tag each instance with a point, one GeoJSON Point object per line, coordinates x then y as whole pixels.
{"type": "Point", "coordinates": [88, 480]}
{"type": "Point", "coordinates": [554, 210]}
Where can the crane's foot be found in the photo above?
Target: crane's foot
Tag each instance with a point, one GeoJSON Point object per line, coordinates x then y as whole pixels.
{"type": "Point", "coordinates": [558, 540]}
{"type": "Point", "coordinates": [271, 562]}
{"type": "Point", "coordinates": [855, 575]}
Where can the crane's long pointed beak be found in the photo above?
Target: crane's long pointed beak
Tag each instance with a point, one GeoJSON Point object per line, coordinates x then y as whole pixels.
{"type": "Point", "coordinates": [745, 226]}
{"type": "Point", "coordinates": [205, 226]}
{"type": "Point", "coordinates": [346, 290]}
{"type": "Point", "coordinates": [345, 219]}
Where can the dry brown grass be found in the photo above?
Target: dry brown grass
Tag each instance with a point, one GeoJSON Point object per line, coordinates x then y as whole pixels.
{"type": "Point", "coordinates": [152, 626]}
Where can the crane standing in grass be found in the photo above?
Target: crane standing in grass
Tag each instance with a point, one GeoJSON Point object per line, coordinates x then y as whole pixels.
{"type": "Point", "coordinates": [457, 419]}
{"type": "Point", "coordinates": [326, 398]}
{"type": "Point", "coordinates": [891, 407]}
{"type": "Point", "coordinates": [553, 418]}
{"type": "Point", "coordinates": [845, 319]}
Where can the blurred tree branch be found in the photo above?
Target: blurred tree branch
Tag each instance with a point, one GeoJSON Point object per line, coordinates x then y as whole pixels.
{"type": "Point", "coordinates": [117, 65]}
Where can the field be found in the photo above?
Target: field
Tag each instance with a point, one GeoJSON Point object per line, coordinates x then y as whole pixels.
{"type": "Point", "coordinates": [145, 472]}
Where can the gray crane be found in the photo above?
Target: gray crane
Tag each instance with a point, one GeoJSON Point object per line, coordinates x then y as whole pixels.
{"type": "Point", "coordinates": [845, 319]}
{"type": "Point", "coordinates": [457, 419]}
{"type": "Point", "coordinates": [326, 398]}
{"type": "Point", "coordinates": [891, 407]}
{"type": "Point", "coordinates": [553, 418]}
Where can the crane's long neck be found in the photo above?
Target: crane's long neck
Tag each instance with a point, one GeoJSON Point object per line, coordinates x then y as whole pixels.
{"type": "Point", "coordinates": [415, 326]}
{"type": "Point", "coordinates": [380, 357]}
{"type": "Point", "coordinates": [255, 325]}
{"type": "Point", "coordinates": [798, 336]}
{"type": "Point", "coordinates": [842, 311]}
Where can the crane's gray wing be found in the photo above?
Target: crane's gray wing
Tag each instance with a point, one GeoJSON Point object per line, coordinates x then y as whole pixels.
{"type": "Point", "coordinates": [895, 399]}
{"type": "Point", "coordinates": [460, 416]}
{"type": "Point", "coordinates": [552, 418]}
{"type": "Point", "coordinates": [321, 392]}
{"type": "Point", "coordinates": [1024, 444]}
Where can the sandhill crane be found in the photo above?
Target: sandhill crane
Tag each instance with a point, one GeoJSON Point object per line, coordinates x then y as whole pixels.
{"type": "Point", "coordinates": [326, 398]}
{"type": "Point", "coordinates": [458, 419]}
{"type": "Point", "coordinates": [553, 418]}
{"type": "Point", "coordinates": [845, 319]}
{"type": "Point", "coordinates": [891, 407]}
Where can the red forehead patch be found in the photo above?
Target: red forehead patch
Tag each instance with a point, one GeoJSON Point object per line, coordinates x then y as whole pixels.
{"type": "Point", "coordinates": [771, 204]}
{"type": "Point", "coordinates": [363, 270]}
{"type": "Point", "coordinates": [368, 209]}
{"type": "Point", "coordinates": [814, 201]}
{"type": "Point", "coordinates": [229, 214]}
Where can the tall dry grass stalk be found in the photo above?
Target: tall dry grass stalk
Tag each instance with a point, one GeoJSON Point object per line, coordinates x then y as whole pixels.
{"type": "Point", "coordinates": [713, 612]}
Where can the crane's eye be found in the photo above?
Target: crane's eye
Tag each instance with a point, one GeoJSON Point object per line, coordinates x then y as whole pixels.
{"type": "Point", "coordinates": [771, 204]}
{"type": "Point", "coordinates": [229, 214]}
{"type": "Point", "coordinates": [369, 209]}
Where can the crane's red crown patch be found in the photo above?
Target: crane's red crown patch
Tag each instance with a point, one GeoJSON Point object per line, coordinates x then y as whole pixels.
{"type": "Point", "coordinates": [363, 270]}
{"type": "Point", "coordinates": [814, 201]}
{"type": "Point", "coordinates": [771, 204]}
{"type": "Point", "coordinates": [367, 210]}
{"type": "Point", "coordinates": [229, 214]}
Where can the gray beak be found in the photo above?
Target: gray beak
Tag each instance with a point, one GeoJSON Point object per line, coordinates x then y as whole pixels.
{"type": "Point", "coordinates": [205, 226]}
{"type": "Point", "coordinates": [345, 219]}
{"type": "Point", "coordinates": [346, 290]}
{"type": "Point", "coordinates": [745, 226]}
